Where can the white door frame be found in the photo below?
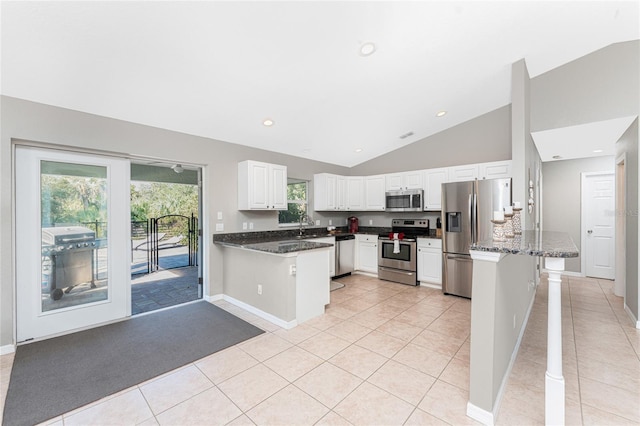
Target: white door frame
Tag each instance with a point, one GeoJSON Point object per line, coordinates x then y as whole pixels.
{"type": "Point", "coordinates": [621, 226]}
{"type": "Point", "coordinates": [30, 322]}
{"type": "Point", "coordinates": [583, 226]}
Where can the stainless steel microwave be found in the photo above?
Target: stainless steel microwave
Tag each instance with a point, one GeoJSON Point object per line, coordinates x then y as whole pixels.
{"type": "Point", "coordinates": [409, 200]}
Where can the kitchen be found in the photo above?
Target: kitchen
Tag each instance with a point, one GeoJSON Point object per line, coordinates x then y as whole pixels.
{"type": "Point", "coordinates": [409, 251]}
{"type": "Point", "coordinates": [499, 133]}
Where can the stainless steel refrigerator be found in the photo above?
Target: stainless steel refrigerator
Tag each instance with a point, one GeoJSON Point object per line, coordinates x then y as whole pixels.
{"type": "Point", "coordinates": [467, 210]}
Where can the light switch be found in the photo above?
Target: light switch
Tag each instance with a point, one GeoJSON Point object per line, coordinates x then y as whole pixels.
{"type": "Point", "coordinates": [250, 225]}
{"type": "Point", "coordinates": [219, 215]}
{"type": "Point", "coordinates": [318, 222]}
{"type": "Point", "coordinates": [330, 222]}
{"type": "Point", "coordinates": [219, 227]}
{"type": "Point", "coordinates": [244, 225]}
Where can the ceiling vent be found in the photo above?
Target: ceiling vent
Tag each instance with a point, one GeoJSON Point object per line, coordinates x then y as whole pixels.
{"type": "Point", "coordinates": [406, 135]}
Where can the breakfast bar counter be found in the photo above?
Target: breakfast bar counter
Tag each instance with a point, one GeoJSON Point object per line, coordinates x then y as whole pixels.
{"type": "Point", "coordinates": [503, 290]}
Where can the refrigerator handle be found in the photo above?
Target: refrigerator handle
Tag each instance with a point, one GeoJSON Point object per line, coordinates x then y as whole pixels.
{"type": "Point", "coordinates": [474, 218]}
{"type": "Point", "coordinates": [471, 218]}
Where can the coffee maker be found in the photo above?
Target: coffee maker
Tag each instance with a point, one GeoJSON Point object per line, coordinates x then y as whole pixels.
{"type": "Point", "coordinates": [352, 222]}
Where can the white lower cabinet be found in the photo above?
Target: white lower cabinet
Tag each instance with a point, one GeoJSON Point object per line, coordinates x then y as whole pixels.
{"type": "Point", "coordinates": [430, 262]}
{"type": "Point", "coordinates": [367, 253]}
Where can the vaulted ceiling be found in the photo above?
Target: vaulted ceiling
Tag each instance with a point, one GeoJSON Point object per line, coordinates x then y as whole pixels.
{"type": "Point", "coordinates": [219, 69]}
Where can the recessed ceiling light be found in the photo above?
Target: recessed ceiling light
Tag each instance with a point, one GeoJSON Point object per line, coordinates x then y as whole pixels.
{"type": "Point", "coordinates": [358, 149]}
{"type": "Point", "coordinates": [556, 157]}
{"type": "Point", "coordinates": [597, 150]}
{"type": "Point", "coordinates": [441, 113]}
{"type": "Point", "coordinates": [268, 122]}
{"type": "Point", "coordinates": [367, 49]}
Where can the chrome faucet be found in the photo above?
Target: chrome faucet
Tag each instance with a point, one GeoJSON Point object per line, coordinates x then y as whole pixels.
{"type": "Point", "coordinates": [305, 219]}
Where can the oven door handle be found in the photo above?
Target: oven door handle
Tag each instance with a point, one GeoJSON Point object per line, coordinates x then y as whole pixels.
{"type": "Point", "coordinates": [396, 271]}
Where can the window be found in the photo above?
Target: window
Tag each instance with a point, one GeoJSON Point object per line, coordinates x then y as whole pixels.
{"type": "Point", "coordinates": [296, 202]}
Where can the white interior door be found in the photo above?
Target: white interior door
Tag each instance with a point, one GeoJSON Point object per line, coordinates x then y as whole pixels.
{"type": "Point", "coordinates": [72, 235]}
{"type": "Point", "coordinates": [598, 228]}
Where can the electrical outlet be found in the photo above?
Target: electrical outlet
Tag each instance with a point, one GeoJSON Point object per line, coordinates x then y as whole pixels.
{"type": "Point", "coordinates": [219, 227]}
{"type": "Point", "coordinates": [244, 226]}
{"type": "Point", "coordinates": [259, 288]}
{"type": "Point", "coordinates": [292, 269]}
{"type": "Point", "coordinates": [370, 222]}
{"type": "Point", "coordinates": [318, 222]}
{"type": "Point", "coordinates": [250, 225]}
{"type": "Point", "coordinates": [330, 222]}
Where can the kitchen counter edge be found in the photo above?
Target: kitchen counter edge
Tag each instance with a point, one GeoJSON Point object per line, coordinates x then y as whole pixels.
{"type": "Point", "coordinates": [533, 243]}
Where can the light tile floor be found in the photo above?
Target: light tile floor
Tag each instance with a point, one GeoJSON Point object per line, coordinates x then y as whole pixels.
{"type": "Point", "coordinates": [388, 354]}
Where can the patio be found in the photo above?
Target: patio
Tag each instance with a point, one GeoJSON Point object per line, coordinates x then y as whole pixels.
{"type": "Point", "coordinates": [172, 284]}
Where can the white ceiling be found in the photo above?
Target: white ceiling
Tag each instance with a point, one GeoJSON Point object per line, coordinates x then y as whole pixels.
{"type": "Point", "coordinates": [218, 69]}
{"type": "Point", "coordinates": [586, 140]}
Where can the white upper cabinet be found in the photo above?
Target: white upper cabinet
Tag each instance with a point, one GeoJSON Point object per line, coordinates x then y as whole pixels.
{"type": "Point", "coordinates": [433, 180]}
{"type": "Point", "coordinates": [333, 192]}
{"type": "Point", "coordinates": [374, 192]}
{"type": "Point", "coordinates": [325, 187]}
{"type": "Point", "coordinates": [404, 180]}
{"type": "Point", "coordinates": [355, 193]}
{"type": "Point", "coordinates": [341, 193]}
{"type": "Point", "coordinates": [494, 170]}
{"type": "Point", "coordinates": [261, 186]}
{"type": "Point", "coordinates": [463, 173]}
{"type": "Point", "coordinates": [367, 193]}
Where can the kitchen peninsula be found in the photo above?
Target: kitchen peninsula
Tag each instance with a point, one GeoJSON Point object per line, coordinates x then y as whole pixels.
{"type": "Point", "coordinates": [285, 281]}
{"type": "Point", "coordinates": [501, 300]}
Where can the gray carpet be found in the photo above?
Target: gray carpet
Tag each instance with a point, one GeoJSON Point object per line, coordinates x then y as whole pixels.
{"type": "Point", "coordinates": [57, 375]}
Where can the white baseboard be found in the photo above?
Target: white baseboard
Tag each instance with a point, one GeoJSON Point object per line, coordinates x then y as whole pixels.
{"type": "Point", "coordinates": [369, 274]}
{"type": "Point", "coordinates": [262, 314]}
{"type": "Point", "coordinates": [7, 349]}
{"type": "Point", "coordinates": [430, 285]}
{"type": "Point", "coordinates": [213, 298]}
{"type": "Point", "coordinates": [632, 316]}
{"type": "Point", "coordinates": [483, 416]}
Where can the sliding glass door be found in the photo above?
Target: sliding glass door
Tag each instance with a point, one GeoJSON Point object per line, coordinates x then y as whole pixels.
{"type": "Point", "coordinates": [72, 241]}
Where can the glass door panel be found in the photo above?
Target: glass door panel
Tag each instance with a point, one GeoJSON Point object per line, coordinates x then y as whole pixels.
{"type": "Point", "coordinates": [74, 226]}
{"type": "Point", "coordinates": [72, 219]}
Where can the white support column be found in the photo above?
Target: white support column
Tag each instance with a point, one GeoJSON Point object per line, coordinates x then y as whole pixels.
{"type": "Point", "coordinates": [554, 382]}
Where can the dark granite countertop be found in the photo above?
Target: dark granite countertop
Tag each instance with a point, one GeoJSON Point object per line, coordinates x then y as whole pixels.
{"type": "Point", "coordinates": [286, 241]}
{"type": "Point", "coordinates": [532, 243]}
{"type": "Point", "coordinates": [279, 247]}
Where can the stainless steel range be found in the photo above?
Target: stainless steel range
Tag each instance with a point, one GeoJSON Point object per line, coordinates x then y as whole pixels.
{"type": "Point", "coordinates": [397, 257]}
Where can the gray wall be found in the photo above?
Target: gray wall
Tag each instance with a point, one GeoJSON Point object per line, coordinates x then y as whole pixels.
{"type": "Point", "coordinates": [599, 86]}
{"type": "Point", "coordinates": [628, 145]}
{"type": "Point", "coordinates": [31, 121]}
{"type": "Point", "coordinates": [561, 198]}
{"type": "Point", "coordinates": [526, 162]}
{"type": "Point", "coordinates": [501, 300]}
{"type": "Point", "coordinates": [482, 139]}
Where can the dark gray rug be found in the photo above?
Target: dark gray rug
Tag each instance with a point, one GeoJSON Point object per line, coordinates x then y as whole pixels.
{"type": "Point", "coordinates": [61, 374]}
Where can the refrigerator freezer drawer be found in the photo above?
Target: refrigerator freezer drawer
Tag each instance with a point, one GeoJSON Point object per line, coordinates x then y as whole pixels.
{"type": "Point", "coordinates": [457, 274]}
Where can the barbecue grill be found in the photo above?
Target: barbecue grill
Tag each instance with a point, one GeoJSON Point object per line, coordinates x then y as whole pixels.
{"type": "Point", "coordinates": [71, 250]}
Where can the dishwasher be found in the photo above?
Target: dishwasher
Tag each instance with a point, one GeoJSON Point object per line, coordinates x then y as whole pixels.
{"type": "Point", "coordinates": [345, 254]}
